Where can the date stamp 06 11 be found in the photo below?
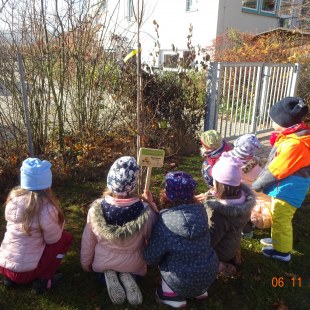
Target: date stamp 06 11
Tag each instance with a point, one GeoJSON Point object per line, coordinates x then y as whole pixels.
{"type": "Point", "coordinates": [281, 282]}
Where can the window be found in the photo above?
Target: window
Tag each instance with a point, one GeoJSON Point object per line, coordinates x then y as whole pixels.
{"type": "Point", "coordinates": [269, 6]}
{"type": "Point", "coordinates": [262, 7]}
{"type": "Point", "coordinates": [171, 60]}
{"type": "Point", "coordinates": [250, 4]}
{"type": "Point", "coordinates": [191, 5]}
{"type": "Point", "coordinates": [130, 13]}
{"type": "Point", "coordinates": [104, 5]}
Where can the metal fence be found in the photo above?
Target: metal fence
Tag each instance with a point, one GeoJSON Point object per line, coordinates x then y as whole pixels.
{"type": "Point", "coordinates": [239, 95]}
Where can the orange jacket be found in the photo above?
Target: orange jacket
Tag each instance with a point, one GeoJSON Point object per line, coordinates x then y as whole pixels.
{"type": "Point", "coordinates": [292, 154]}
{"type": "Point", "coordinates": [287, 173]}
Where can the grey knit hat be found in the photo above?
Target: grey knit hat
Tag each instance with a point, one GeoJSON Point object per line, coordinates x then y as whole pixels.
{"type": "Point", "coordinates": [245, 147]}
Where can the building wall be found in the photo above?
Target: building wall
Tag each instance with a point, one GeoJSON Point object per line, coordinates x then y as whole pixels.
{"type": "Point", "coordinates": [174, 23]}
{"type": "Point", "coordinates": [232, 16]}
{"type": "Point", "coordinates": [209, 19]}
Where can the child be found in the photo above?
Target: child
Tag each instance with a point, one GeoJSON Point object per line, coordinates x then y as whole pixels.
{"type": "Point", "coordinates": [180, 244]}
{"type": "Point", "coordinates": [245, 148]}
{"type": "Point", "coordinates": [229, 211]}
{"type": "Point", "coordinates": [286, 175]}
{"type": "Point", "coordinates": [34, 242]}
{"type": "Point", "coordinates": [118, 226]}
{"type": "Point", "coordinates": [212, 148]}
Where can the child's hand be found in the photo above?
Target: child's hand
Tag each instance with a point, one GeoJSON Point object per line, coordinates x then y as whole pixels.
{"type": "Point", "coordinates": [211, 193]}
{"type": "Point", "coordinates": [147, 195]}
{"type": "Point", "coordinates": [86, 268]}
{"type": "Point", "coordinates": [201, 197]}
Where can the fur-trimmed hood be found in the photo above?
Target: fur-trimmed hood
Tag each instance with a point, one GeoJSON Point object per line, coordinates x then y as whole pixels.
{"type": "Point", "coordinates": [111, 232]}
{"type": "Point", "coordinates": [233, 210]}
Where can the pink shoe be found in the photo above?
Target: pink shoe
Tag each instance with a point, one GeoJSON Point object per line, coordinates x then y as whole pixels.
{"type": "Point", "coordinates": [203, 296]}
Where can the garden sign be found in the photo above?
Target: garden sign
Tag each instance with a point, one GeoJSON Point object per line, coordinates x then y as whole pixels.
{"type": "Point", "coordinates": [150, 158]}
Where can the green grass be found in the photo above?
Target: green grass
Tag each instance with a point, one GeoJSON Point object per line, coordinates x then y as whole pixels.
{"type": "Point", "coordinates": [251, 289]}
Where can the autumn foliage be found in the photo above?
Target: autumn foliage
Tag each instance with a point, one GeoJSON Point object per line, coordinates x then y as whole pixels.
{"type": "Point", "coordinates": [276, 46]}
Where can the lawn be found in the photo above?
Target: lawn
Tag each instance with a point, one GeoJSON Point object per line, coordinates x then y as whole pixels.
{"type": "Point", "coordinates": [260, 284]}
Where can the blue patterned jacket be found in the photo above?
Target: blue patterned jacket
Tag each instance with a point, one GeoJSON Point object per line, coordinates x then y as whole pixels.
{"type": "Point", "coordinates": [180, 246]}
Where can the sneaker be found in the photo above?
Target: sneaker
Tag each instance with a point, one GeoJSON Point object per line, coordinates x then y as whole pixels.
{"type": "Point", "coordinates": [266, 241]}
{"type": "Point", "coordinates": [115, 290]}
{"type": "Point", "coordinates": [271, 252]}
{"type": "Point", "coordinates": [132, 289]}
{"type": "Point", "coordinates": [172, 301]}
{"type": "Point", "coordinates": [42, 285]}
{"type": "Point", "coordinates": [203, 296]}
{"type": "Point", "coordinates": [248, 235]}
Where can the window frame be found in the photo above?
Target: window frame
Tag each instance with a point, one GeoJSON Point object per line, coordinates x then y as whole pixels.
{"type": "Point", "coordinates": [179, 54]}
{"type": "Point", "coordinates": [269, 12]}
{"type": "Point", "coordinates": [172, 55]}
{"type": "Point", "coordinates": [251, 9]}
{"type": "Point", "coordinates": [259, 9]}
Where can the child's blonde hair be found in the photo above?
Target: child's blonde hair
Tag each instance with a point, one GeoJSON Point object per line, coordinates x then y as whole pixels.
{"type": "Point", "coordinates": [35, 204]}
{"type": "Point", "coordinates": [108, 192]}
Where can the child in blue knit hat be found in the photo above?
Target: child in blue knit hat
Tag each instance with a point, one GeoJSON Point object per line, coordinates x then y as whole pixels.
{"type": "Point", "coordinates": [118, 227]}
{"type": "Point", "coordinates": [34, 242]}
{"type": "Point", "coordinates": [180, 244]}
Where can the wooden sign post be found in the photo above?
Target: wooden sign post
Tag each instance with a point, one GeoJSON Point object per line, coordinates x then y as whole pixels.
{"type": "Point", "coordinates": [150, 158]}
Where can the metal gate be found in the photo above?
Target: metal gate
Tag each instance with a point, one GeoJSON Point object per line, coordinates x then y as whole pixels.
{"type": "Point", "coordinates": [239, 95]}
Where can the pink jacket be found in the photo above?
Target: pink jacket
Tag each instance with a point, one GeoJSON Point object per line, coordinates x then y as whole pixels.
{"type": "Point", "coordinates": [20, 252]}
{"type": "Point", "coordinates": [119, 248]}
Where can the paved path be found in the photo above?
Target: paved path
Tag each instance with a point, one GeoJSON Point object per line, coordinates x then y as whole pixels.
{"type": "Point", "coordinates": [266, 147]}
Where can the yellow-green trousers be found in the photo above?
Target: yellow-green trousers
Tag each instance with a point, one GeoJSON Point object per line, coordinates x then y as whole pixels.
{"type": "Point", "coordinates": [282, 229]}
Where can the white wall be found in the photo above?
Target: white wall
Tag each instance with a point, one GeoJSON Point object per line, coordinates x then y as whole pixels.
{"type": "Point", "coordinates": [211, 18]}
{"type": "Point", "coordinates": [174, 23]}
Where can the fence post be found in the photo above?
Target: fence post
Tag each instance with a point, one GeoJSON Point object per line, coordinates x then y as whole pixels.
{"type": "Point", "coordinates": [261, 74]}
{"type": "Point", "coordinates": [263, 92]}
{"type": "Point", "coordinates": [211, 96]}
{"type": "Point", "coordinates": [294, 81]}
{"type": "Point", "coordinates": [25, 103]}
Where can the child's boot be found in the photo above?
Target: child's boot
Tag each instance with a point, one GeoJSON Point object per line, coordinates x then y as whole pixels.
{"type": "Point", "coordinates": [42, 285]}
{"type": "Point", "coordinates": [132, 289]}
{"type": "Point", "coordinates": [115, 290]}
